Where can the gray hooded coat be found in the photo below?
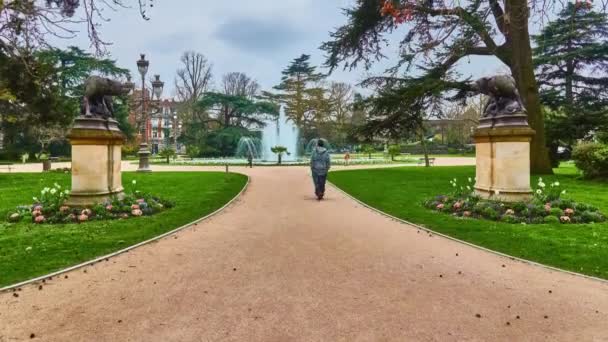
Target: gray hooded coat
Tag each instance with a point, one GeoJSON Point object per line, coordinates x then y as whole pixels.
{"type": "Point", "coordinates": [320, 161]}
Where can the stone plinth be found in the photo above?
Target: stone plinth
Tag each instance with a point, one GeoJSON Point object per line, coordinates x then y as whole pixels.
{"type": "Point", "coordinates": [503, 158]}
{"type": "Point", "coordinates": [96, 160]}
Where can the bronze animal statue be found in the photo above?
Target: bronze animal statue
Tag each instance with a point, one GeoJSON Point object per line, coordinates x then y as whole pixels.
{"type": "Point", "coordinates": [503, 93]}
{"type": "Point", "coordinates": [98, 92]}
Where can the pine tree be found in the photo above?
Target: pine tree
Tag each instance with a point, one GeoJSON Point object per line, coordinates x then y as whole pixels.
{"type": "Point", "coordinates": [296, 88]}
{"type": "Point", "coordinates": [571, 59]}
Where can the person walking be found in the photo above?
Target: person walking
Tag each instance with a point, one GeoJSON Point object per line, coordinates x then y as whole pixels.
{"type": "Point", "coordinates": [346, 158]}
{"type": "Point", "coordinates": [250, 160]}
{"type": "Point", "coordinates": [320, 163]}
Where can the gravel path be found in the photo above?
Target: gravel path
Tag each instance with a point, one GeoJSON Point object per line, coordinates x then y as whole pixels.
{"type": "Point", "coordinates": [279, 266]}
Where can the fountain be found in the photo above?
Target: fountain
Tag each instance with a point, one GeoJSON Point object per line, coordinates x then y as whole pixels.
{"type": "Point", "coordinates": [248, 146]}
{"type": "Point", "coordinates": [280, 132]}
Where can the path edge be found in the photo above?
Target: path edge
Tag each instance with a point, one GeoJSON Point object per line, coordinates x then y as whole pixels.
{"type": "Point", "coordinates": [514, 258]}
{"type": "Point", "coordinates": [125, 250]}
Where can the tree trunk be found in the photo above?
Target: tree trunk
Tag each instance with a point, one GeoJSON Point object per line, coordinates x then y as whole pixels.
{"type": "Point", "coordinates": [523, 72]}
{"type": "Point", "coordinates": [280, 158]}
{"type": "Point", "coordinates": [424, 149]}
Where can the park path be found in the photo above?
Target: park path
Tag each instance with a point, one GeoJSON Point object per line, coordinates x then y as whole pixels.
{"type": "Point", "coordinates": [279, 266]}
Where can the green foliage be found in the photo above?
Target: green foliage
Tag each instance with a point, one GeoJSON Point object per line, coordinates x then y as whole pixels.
{"type": "Point", "coordinates": [393, 151]}
{"type": "Point", "coordinates": [236, 110]}
{"type": "Point", "coordinates": [193, 151]}
{"type": "Point", "coordinates": [551, 219]}
{"type": "Point", "coordinates": [296, 88]}
{"type": "Point", "coordinates": [167, 153]}
{"type": "Point", "coordinates": [567, 49]}
{"type": "Point", "coordinates": [591, 159]}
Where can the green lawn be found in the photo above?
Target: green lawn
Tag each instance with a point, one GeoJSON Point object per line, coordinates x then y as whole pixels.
{"type": "Point", "coordinates": [54, 247]}
{"type": "Point", "coordinates": [400, 192]}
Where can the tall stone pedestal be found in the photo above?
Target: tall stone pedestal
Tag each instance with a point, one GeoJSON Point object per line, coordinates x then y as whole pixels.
{"type": "Point", "coordinates": [96, 161]}
{"type": "Point", "coordinates": [503, 158]}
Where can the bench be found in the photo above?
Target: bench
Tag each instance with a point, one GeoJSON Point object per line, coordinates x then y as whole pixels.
{"type": "Point", "coordinates": [6, 166]}
{"type": "Point", "coordinates": [431, 161]}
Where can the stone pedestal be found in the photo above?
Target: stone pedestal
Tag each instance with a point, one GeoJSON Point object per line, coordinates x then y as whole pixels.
{"type": "Point", "coordinates": [503, 158]}
{"type": "Point", "coordinates": [96, 161]}
{"type": "Point", "coordinates": [144, 158]}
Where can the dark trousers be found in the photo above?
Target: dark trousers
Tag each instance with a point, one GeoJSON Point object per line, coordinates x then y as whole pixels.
{"type": "Point", "coordinates": [319, 179]}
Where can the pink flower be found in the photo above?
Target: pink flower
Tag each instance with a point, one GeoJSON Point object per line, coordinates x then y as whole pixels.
{"type": "Point", "coordinates": [135, 207]}
{"type": "Point", "coordinates": [141, 200]}
{"type": "Point", "coordinates": [457, 205]}
{"type": "Point", "coordinates": [466, 214]}
{"type": "Point", "coordinates": [86, 212]}
{"type": "Point", "coordinates": [565, 219]}
{"type": "Point", "coordinates": [64, 209]}
{"type": "Point", "coordinates": [548, 207]}
{"type": "Point", "coordinates": [109, 207]}
{"type": "Point", "coordinates": [39, 219]}
{"type": "Point", "coordinates": [36, 213]}
{"type": "Point", "coordinates": [510, 212]}
{"type": "Point", "coordinates": [83, 217]}
{"type": "Point", "coordinates": [569, 211]}
{"type": "Point", "coordinates": [38, 208]}
{"type": "Point", "coordinates": [440, 206]}
{"type": "Point", "coordinates": [136, 212]}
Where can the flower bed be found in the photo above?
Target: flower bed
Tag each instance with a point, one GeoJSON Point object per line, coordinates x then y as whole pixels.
{"type": "Point", "coordinates": [547, 206]}
{"type": "Point", "coordinates": [50, 208]}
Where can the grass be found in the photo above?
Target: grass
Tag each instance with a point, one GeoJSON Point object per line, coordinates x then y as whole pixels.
{"type": "Point", "coordinates": [400, 192]}
{"type": "Point", "coordinates": [54, 247]}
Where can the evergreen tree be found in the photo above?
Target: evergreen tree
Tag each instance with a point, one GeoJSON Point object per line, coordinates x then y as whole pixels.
{"type": "Point", "coordinates": [296, 88]}
{"type": "Point", "coordinates": [571, 59]}
{"type": "Point", "coordinates": [438, 35]}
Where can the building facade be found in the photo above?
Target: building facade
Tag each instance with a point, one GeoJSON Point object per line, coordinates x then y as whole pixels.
{"type": "Point", "coordinates": [158, 123]}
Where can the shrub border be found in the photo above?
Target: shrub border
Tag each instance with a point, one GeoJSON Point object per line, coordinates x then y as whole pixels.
{"type": "Point", "coordinates": [428, 230]}
{"type": "Point", "coordinates": [127, 249]}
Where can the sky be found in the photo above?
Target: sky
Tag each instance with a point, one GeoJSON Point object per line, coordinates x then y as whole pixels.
{"type": "Point", "coordinates": [257, 37]}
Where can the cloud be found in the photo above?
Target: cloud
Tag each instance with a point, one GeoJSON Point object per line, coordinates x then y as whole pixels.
{"type": "Point", "coordinates": [257, 35]}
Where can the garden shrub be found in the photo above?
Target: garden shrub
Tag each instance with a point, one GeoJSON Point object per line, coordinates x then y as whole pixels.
{"type": "Point", "coordinates": [591, 159]}
{"type": "Point", "coordinates": [551, 219]}
{"type": "Point", "coordinates": [546, 206]}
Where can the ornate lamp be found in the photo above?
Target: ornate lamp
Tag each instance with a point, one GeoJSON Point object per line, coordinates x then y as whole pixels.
{"type": "Point", "coordinates": [157, 86]}
{"type": "Point", "coordinates": [142, 65]}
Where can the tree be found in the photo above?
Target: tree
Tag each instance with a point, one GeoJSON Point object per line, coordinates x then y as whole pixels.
{"type": "Point", "coordinates": [192, 80]}
{"type": "Point", "coordinates": [279, 151]}
{"type": "Point", "coordinates": [167, 152]}
{"type": "Point", "coordinates": [295, 88]}
{"type": "Point", "coordinates": [28, 23]}
{"type": "Point", "coordinates": [192, 151]}
{"type": "Point", "coordinates": [234, 110]}
{"type": "Point", "coordinates": [439, 35]}
{"type": "Point", "coordinates": [571, 57]}
{"type": "Point", "coordinates": [393, 151]}
{"type": "Point", "coordinates": [45, 135]}
{"type": "Point", "coordinates": [239, 84]}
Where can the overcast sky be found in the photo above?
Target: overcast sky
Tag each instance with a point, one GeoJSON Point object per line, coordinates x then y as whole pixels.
{"type": "Point", "coordinates": [256, 37]}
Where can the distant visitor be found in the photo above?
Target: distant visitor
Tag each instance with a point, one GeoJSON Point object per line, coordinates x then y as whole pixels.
{"type": "Point", "coordinates": [320, 162]}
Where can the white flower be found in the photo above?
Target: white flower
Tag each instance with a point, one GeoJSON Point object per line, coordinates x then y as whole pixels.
{"type": "Point", "coordinates": [67, 192]}
{"type": "Point", "coordinates": [455, 180]}
{"type": "Point", "coordinates": [35, 199]}
{"type": "Point", "coordinates": [470, 180]}
{"type": "Point", "coordinates": [541, 184]}
{"type": "Point", "coordinates": [53, 191]}
{"type": "Point", "coordinates": [29, 248]}
{"type": "Point", "coordinates": [134, 182]}
{"type": "Point", "coordinates": [454, 184]}
{"type": "Point", "coordinates": [564, 192]}
{"type": "Point", "coordinates": [57, 186]}
{"type": "Point", "coordinates": [556, 183]}
{"type": "Point", "coordinates": [468, 187]}
{"type": "Point", "coordinates": [539, 191]}
{"type": "Point", "coordinates": [540, 179]}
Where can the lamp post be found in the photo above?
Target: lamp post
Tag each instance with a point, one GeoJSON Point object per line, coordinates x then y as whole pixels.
{"type": "Point", "coordinates": [157, 90]}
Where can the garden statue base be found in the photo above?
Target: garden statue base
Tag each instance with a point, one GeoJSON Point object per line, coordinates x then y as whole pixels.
{"type": "Point", "coordinates": [96, 160]}
{"type": "Point", "coordinates": [503, 158]}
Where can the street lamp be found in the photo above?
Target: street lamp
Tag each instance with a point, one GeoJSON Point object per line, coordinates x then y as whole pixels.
{"type": "Point", "coordinates": [157, 90]}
